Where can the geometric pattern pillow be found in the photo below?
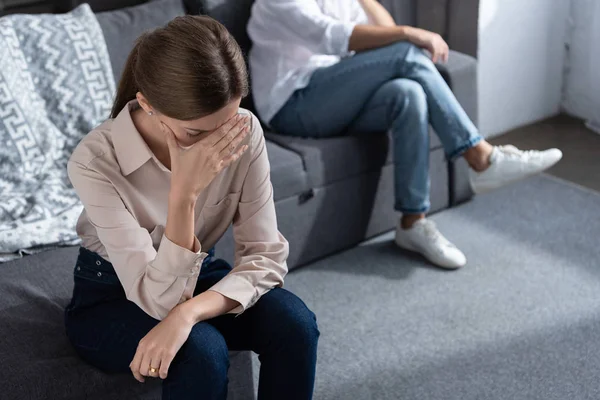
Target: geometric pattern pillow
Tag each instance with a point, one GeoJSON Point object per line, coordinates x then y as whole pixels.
{"type": "Point", "coordinates": [56, 84]}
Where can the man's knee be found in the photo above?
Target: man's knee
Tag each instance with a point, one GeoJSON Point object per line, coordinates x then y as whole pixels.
{"type": "Point", "coordinates": [408, 96]}
{"type": "Point", "coordinates": [409, 55]}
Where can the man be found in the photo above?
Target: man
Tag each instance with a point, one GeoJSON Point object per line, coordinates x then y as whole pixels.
{"type": "Point", "coordinates": [323, 68]}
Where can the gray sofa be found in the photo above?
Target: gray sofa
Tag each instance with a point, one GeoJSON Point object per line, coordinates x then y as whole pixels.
{"type": "Point", "coordinates": [330, 195]}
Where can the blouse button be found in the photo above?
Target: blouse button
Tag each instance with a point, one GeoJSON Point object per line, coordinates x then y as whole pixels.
{"type": "Point", "coordinates": [99, 274]}
{"type": "Point", "coordinates": [98, 263]}
{"type": "Point", "coordinates": [194, 269]}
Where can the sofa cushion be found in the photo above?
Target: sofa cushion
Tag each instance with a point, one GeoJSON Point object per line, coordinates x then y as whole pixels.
{"type": "Point", "coordinates": [333, 159]}
{"type": "Point", "coordinates": [39, 362]}
{"type": "Point", "coordinates": [287, 172]}
{"type": "Point", "coordinates": [122, 27]}
{"type": "Point", "coordinates": [35, 291]}
{"type": "Point", "coordinates": [330, 160]}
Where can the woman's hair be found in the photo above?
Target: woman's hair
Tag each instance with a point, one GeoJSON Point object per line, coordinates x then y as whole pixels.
{"type": "Point", "coordinates": [188, 69]}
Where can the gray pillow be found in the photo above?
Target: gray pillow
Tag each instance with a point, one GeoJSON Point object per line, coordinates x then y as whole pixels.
{"type": "Point", "coordinates": [122, 27]}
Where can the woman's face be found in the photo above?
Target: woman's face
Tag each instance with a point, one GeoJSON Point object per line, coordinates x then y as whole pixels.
{"type": "Point", "coordinates": [190, 132]}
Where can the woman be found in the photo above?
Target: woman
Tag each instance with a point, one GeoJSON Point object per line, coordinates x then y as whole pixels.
{"type": "Point", "coordinates": [160, 183]}
{"type": "Point", "coordinates": [324, 68]}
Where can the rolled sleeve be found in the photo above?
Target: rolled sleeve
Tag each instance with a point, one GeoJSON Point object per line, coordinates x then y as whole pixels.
{"type": "Point", "coordinates": [302, 23]}
{"type": "Point", "coordinates": [176, 260]}
{"type": "Point", "coordinates": [239, 289]}
{"type": "Point", "coordinates": [342, 40]}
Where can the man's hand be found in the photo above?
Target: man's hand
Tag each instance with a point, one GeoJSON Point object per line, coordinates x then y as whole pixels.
{"type": "Point", "coordinates": [431, 42]}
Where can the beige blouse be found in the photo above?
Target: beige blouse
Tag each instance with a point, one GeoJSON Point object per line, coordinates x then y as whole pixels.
{"type": "Point", "coordinates": [125, 189]}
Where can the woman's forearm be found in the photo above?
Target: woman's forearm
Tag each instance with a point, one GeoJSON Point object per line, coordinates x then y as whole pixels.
{"type": "Point", "coordinates": [377, 13]}
{"type": "Point", "coordinates": [207, 305]}
{"type": "Point", "coordinates": [367, 37]}
{"type": "Point", "coordinates": [180, 219]}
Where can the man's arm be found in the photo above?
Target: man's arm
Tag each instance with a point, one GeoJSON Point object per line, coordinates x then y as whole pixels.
{"type": "Point", "coordinates": [367, 37]}
{"type": "Point", "coordinates": [377, 13]}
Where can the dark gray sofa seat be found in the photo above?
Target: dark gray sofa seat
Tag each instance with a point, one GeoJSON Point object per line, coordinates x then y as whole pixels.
{"type": "Point", "coordinates": [288, 176]}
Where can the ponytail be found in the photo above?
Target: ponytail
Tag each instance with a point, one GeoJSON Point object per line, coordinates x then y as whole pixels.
{"type": "Point", "coordinates": [127, 88]}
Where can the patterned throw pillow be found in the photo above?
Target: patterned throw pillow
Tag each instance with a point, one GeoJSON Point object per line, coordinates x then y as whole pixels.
{"type": "Point", "coordinates": [56, 84]}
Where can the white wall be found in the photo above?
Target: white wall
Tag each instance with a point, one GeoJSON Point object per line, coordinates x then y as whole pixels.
{"type": "Point", "coordinates": [521, 60]}
{"type": "Point", "coordinates": [582, 78]}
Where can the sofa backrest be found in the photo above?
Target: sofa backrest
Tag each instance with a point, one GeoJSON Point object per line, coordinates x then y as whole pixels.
{"type": "Point", "coordinates": [122, 27]}
{"type": "Point", "coordinates": [456, 20]}
{"type": "Point", "coordinates": [234, 14]}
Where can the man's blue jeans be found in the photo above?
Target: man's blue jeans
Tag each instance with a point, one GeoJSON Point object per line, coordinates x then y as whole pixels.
{"type": "Point", "coordinates": [396, 88]}
{"type": "Point", "coordinates": [105, 329]}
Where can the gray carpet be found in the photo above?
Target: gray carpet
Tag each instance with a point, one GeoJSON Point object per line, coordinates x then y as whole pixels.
{"type": "Point", "coordinates": [520, 321]}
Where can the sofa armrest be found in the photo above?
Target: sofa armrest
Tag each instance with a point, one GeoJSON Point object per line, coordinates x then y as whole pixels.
{"type": "Point", "coordinates": [461, 74]}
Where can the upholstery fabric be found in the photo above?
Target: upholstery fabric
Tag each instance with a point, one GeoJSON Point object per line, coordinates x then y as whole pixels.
{"type": "Point", "coordinates": [122, 27]}
{"type": "Point", "coordinates": [343, 213]}
{"type": "Point", "coordinates": [287, 172]}
{"type": "Point", "coordinates": [234, 14]}
{"type": "Point", "coordinates": [403, 11]}
{"type": "Point", "coordinates": [461, 74]}
{"type": "Point", "coordinates": [56, 84]}
{"type": "Point", "coordinates": [327, 160]}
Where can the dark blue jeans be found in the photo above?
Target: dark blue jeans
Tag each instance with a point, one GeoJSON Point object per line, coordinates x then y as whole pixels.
{"type": "Point", "coordinates": [105, 329]}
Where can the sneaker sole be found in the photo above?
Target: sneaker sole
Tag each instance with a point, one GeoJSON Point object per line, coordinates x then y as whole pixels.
{"type": "Point", "coordinates": [408, 247]}
{"type": "Point", "coordinates": [483, 188]}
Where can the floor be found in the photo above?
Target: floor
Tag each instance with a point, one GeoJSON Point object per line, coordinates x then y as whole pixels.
{"type": "Point", "coordinates": [580, 146]}
{"type": "Point", "coordinates": [520, 321]}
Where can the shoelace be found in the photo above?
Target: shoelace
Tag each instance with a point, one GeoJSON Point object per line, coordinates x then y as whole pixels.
{"type": "Point", "coordinates": [432, 232]}
{"type": "Point", "coordinates": [513, 152]}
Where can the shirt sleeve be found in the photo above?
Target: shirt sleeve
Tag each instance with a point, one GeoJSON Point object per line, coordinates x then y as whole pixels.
{"type": "Point", "coordinates": [260, 250]}
{"type": "Point", "coordinates": [303, 23]}
{"type": "Point", "coordinates": [359, 16]}
{"type": "Point", "coordinates": [154, 280]}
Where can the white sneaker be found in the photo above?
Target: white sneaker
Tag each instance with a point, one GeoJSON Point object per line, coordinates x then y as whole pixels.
{"type": "Point", "coordinates": [509, 164]}
{"type": "Point", "coordinates": [424, 238]}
